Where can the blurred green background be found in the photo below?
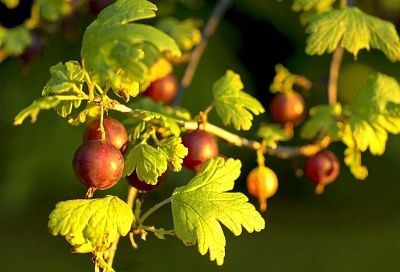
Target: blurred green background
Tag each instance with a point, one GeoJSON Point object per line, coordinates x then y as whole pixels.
{"type": "Point", "coordinates": [353, 226]}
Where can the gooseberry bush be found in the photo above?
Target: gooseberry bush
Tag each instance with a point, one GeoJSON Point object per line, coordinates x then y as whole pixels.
{"type": "Point", "coordinates": [126, 66]}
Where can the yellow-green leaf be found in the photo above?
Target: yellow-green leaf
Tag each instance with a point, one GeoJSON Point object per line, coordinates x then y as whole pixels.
{"type": "Point", "coordinates": [186, 33]}
{"type": "Point", "coordinates": [233, 105]}
{"type": "Point", "coordinates": [200, 207]}
{"type": "Point", "coordinates": [118, 52]}
{"type": "Point", "coordinates": [65, 78]}
{"type": "Point", "coordinates": [33, 110]}
{"type": "Point", "coordinates": [91, 224]}
{"type": "Point", "coordinates": [148, 161]}
{"type": "Point", "coordinates": [272, 134]}
{"type": "Point", "coordinates": [165, 121]}
{"type": "Point", "coordinates": [352, 158]}
{"type": "Point", "coordinates": [323, 118]}
{"type": "Point", "coordinates": [354, 30]}
{"type": "Point", "coordinates": [10, 3]}
{"type": "Point", "coordinates": [175, 151]}
{"type": "Point", "coordinates": [307, 5]}
{"type": "Point", "coordinates": [375, 113]}
{"type": "Point", "coordinates": [284, 80]}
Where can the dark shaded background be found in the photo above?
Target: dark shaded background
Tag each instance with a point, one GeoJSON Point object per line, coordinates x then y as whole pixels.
{"type": "Point", "coordinates": [353, 226]}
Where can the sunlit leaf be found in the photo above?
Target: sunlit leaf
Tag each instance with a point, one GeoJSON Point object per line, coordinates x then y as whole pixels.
{"type": "Point", "coordinates": [148, 161]}
{"type": "Point", "coordinates": [10, 3]}
{"type": "Point", "coordinates": [323, 119]}
{"type": "Point", "coordinates": [233, 105]}
{"type": "Point", "coordinates": [272, 134]}
{"type": "Point", "coordinates": [200, 207]}
{"type": "Point", "coordinates": [375, 113]}
{"type": "Point", "coordinates": [119, 52]}
{"type": "Point", "coordinates": [92, 224]}
{"type": "Point", "coordinates": [175, 151]}
{"type": "Point", "coordinates": [354, 30]}
{"type": "Point", "coordinates": [186, 33]}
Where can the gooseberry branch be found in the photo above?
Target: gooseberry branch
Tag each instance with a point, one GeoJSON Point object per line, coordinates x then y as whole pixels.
{"type": "Point", "coordinates": [195, 56]}
{"type": "Point", "coordinates": [282, 152]}
{"type": "Point", "coordinates": [334, 69]}
{"type": "Point", "coordinates": [334, 74]}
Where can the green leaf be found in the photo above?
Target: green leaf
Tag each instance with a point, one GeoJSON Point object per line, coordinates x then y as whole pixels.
{"type": "Point", "coordinates": [52, 10]}
{"type": "Point", "coordinates": [91, 112]}
{"type": "Point", "coordinates": [91, 224]}
{"type": "Point", "coordinates": [158, 118]}
{"type": "Point", "coordinates": [271, 134]}
{"type": "Point", "coordinates": [352, 154]}
{"type": "Point", "coordinates": [284, 80]}
{"type": "Point", "coordinates": [352, 158]}
{"type": "Point", "coordinates": [33, 110]}
{"type": "Point", "coordinates": [63, 104]}
{"type": "Point", "coordinates": [63, 92]}
{"type": "Point", "coordinates": [175, 151]}
{"type": "Point", "coordinates": [186, 33]}
{"type": "Point", "coordinates": [323, 118]}
{"type": "Point", "coordinates": [375, 112]}
{"type": "Point", "coordinates": [117, 52]}
{"type": "Point", "coordinates": [148, 104]}
{"type": "Point", "coordinates": [137, 130]}
{"type": "Point", "coordinates": [233, 105]}
{"type": "Point", "coordinates": [149, 163]}
{"type": "Point", "coordinates": [308, 5]}
{"type": "Point", "coordinates": [15, 40]}
{"type": "Point", "coordinates": [10, 3]}
{"type": "Point", "coordinates": [65, 78]}
{"type": "Point", "coordinates": [354, 30]}
{"type": "Point", "coordinates": [200, 207]}
{"type": "Point", "coordinates": [150, 113]}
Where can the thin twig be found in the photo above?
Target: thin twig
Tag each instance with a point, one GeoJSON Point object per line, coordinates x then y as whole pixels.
{"type": "Point", "coordinates": [282, 152]}
{"type": "Point", "coordinates": [209, 29]}
{"type": "Point", "coordinates": [130, 199]}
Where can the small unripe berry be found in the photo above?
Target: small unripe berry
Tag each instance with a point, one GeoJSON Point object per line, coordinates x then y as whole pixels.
{"type": "Point", "coordinates": [115, 132]}
{"type": "Point", "coordinates": [287, 107]}
{"type": "Point", "coordinates": [201, 146]}
{"type": "Point", "coordinates": [322, 168]}
{"type": "Point", "coordinates": [98, 165]}
{"type": "Point", "coordinates": [262, 183]}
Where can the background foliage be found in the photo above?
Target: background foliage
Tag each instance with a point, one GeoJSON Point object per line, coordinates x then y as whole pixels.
{"type": "Point", "coordinates": [352, 226]}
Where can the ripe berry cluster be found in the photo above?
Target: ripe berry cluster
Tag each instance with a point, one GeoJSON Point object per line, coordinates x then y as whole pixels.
{"type": "Point", "coordinates": [98, 162]}
{"type": "Point", "coordinates": [288, 109]}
